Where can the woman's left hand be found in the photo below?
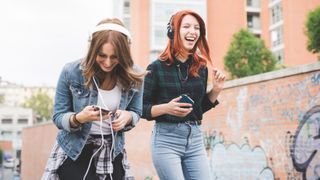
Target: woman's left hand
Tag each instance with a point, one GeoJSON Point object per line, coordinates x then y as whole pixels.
{"type": "Point", "coordinates": [218, 79]}
{"type": "Point", "coordinates": [122, 119]}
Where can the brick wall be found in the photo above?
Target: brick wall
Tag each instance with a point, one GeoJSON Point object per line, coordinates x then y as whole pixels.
{"type": "Point", "coordinates": [37, 142]}
{"type": "Point", "coordinates": [250, 135]}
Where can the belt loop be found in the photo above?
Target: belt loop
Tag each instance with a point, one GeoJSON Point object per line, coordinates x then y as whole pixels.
{"type": "Point", "coordinates": [190, 122]}
{"type": "Point", "coordinates": [196, 122]}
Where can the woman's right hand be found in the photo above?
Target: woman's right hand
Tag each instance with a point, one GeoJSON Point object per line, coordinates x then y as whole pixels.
{"type": "Point", "coordinates": [90, 113]}
{"type": "Point", "coordinates": [176, 108]}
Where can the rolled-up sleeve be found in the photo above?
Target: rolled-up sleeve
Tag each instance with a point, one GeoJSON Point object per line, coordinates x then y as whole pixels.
{"type": "Point", "coordinates": [135, 108]}
{"type": "Point", "coordinates": [135, 105]}
{"type": "Point", "coordinates": [206, 103]}
{"type": "Point", "coordinates": [62, 110]}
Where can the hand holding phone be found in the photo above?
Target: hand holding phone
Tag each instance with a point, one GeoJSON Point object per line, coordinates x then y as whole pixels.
{"type": "Point", "coordinates": [186, 99]}
{"type": "Point", "coordinates": [103, 110]}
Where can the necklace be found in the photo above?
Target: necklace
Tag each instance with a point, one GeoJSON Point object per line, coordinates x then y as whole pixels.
{"type": "Point", "coordinates": [183, 79]}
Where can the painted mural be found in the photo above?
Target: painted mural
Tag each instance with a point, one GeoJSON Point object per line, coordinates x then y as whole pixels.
{"type": "Point", "coordinates": [244, 162]}
{"type": "Point", "coordinates": [306, 145]}
{"type": "Point", "coordinates": [269, 130]}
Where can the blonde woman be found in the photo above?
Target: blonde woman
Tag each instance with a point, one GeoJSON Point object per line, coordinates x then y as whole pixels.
{"type": "Point", "coordinates": [90, 143]}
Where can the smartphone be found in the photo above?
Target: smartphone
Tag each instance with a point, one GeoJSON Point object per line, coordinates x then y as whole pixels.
{"type": "Point", "coordinates": [104, 111]}
{"type": "Point", "coordinates": [186, 99]}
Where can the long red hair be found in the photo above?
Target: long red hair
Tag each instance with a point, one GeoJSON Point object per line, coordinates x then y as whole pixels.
{"type": "Point", "coordinates": [200, 52]}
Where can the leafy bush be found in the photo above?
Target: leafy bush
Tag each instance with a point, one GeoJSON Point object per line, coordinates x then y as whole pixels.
{"type": "Point", "coordinates": [248, 55]}
{"type": "Point", "coordinates": [313, 30]}
{"type": "Point", "coordinates": [42, 104]}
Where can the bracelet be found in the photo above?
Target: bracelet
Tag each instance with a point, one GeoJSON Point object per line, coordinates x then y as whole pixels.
{"type": "Point", "coordinates": [75, 120]}
{"type": "Point", "coordinates": [72, 123]}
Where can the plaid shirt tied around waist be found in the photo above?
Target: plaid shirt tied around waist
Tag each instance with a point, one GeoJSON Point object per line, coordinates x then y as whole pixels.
{"type": "Point", "coordinates": [101, 160]}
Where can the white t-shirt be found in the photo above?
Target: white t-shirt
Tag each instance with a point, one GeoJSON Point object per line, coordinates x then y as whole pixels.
{"type": "Point", "coordinates": [110, 100]}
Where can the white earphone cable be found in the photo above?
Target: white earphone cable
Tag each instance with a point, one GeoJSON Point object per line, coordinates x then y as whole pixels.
{"type": "Point", "coordinates": [101, 146]}
{"type": "Point", "coordinates": [101, 133]}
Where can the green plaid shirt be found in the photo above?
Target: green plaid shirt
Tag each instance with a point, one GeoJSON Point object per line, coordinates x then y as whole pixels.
{"type": "Point", "coordinates": [164, 82]}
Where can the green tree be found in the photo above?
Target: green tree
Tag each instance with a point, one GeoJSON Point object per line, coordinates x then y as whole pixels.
{"type": "Point", "coordinates": [313, 30]}
{"type": "Point", "coordinates": [42, 105]}
{"type": "Point", "coordinates": [248, 55]}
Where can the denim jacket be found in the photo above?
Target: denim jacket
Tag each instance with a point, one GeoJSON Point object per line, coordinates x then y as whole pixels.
{"type": "Point", "coordinates": [72, 96]}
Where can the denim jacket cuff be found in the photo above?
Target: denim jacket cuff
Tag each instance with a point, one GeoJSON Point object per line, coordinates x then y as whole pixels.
{"type": "Point", "coordinates": [135, 119]}
{"type": "Point", "coordinates": [66, 122]}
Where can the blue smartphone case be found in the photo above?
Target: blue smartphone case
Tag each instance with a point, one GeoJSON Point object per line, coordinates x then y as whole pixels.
{"type": "Point", "coordinates": [186, 99]}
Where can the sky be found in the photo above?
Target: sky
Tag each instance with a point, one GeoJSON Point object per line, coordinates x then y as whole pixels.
{"type": "Point", "coordinates": [37, 37]}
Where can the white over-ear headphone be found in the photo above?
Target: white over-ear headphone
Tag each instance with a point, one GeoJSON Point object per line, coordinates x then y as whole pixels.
{"type": "Point", "coordinates": [113, 27]}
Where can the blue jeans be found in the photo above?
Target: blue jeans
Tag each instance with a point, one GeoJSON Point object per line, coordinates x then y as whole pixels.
{"type": "Point", "coordinates": [178, 152]}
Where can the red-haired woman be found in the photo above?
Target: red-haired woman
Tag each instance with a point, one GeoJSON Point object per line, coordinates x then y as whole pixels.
{"type": "Point", "coordinates": [176, 96]}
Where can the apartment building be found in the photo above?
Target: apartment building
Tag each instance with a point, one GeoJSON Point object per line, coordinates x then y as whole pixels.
{"type": "Point", "coordinates": [15, 95]}
{"type": "Point", "coordinates": [13, 117]}
{"type": "Point", "coordinates": [280, 23]}
{"type": "Point", "coordinates": [147, 21]}
{"type": "Point", "coordinates": [12, 121]}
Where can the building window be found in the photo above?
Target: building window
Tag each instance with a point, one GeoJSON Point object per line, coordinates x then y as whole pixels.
{"type": "Point", "coordinates": [159, 35]}
{"type": "Point", "coordinates": [277, 37]}
{"type": "Point", "coordinates": [276, 13]}
{"type": "Point", "coordinates": [6, 134]}
{"type": "Point", "coordinates": [6, 121]}
{"type": "Point", "coordinates": [253, 21]}
{"type": "Point", "coordinates": [22, 121]}
{"type": "Point", "coordinates": [126, 13]}
{"type": "Point", "coordinates": [126, 7]}
{"type": "Point", "coordinates": [19, 134]}
{"type": "Point", "coordinates": [253, 3]}
{"type": "Point", "coordinates": [250, 19]}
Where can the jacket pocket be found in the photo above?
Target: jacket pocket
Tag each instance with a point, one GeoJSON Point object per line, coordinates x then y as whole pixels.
{"type": "Point", "coordinates": [78, 90]}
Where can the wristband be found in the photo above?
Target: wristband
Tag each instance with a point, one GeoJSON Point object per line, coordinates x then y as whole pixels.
{"type": "Point", "coordinates": [75, 120]}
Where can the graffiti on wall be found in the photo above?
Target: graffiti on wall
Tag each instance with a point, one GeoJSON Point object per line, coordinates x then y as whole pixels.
{"type": "Point", "coordinates": [306, 145]}
{"type": "Point", "coordinates": [289, 153]}
{"type": "Point", "coordinates": [267, 104]}
{"type": "Point", "coordinates": [234, 162]}
{"type": "Point", "coordinates": [315, 79]}
{"type": "Point", "coordinates": [235, 115]}
{"type": "Point", "coordinates": [212, 138]}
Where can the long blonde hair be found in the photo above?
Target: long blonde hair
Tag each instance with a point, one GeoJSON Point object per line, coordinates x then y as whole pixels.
{"type": "Point", "coordinates": [124, 70]}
